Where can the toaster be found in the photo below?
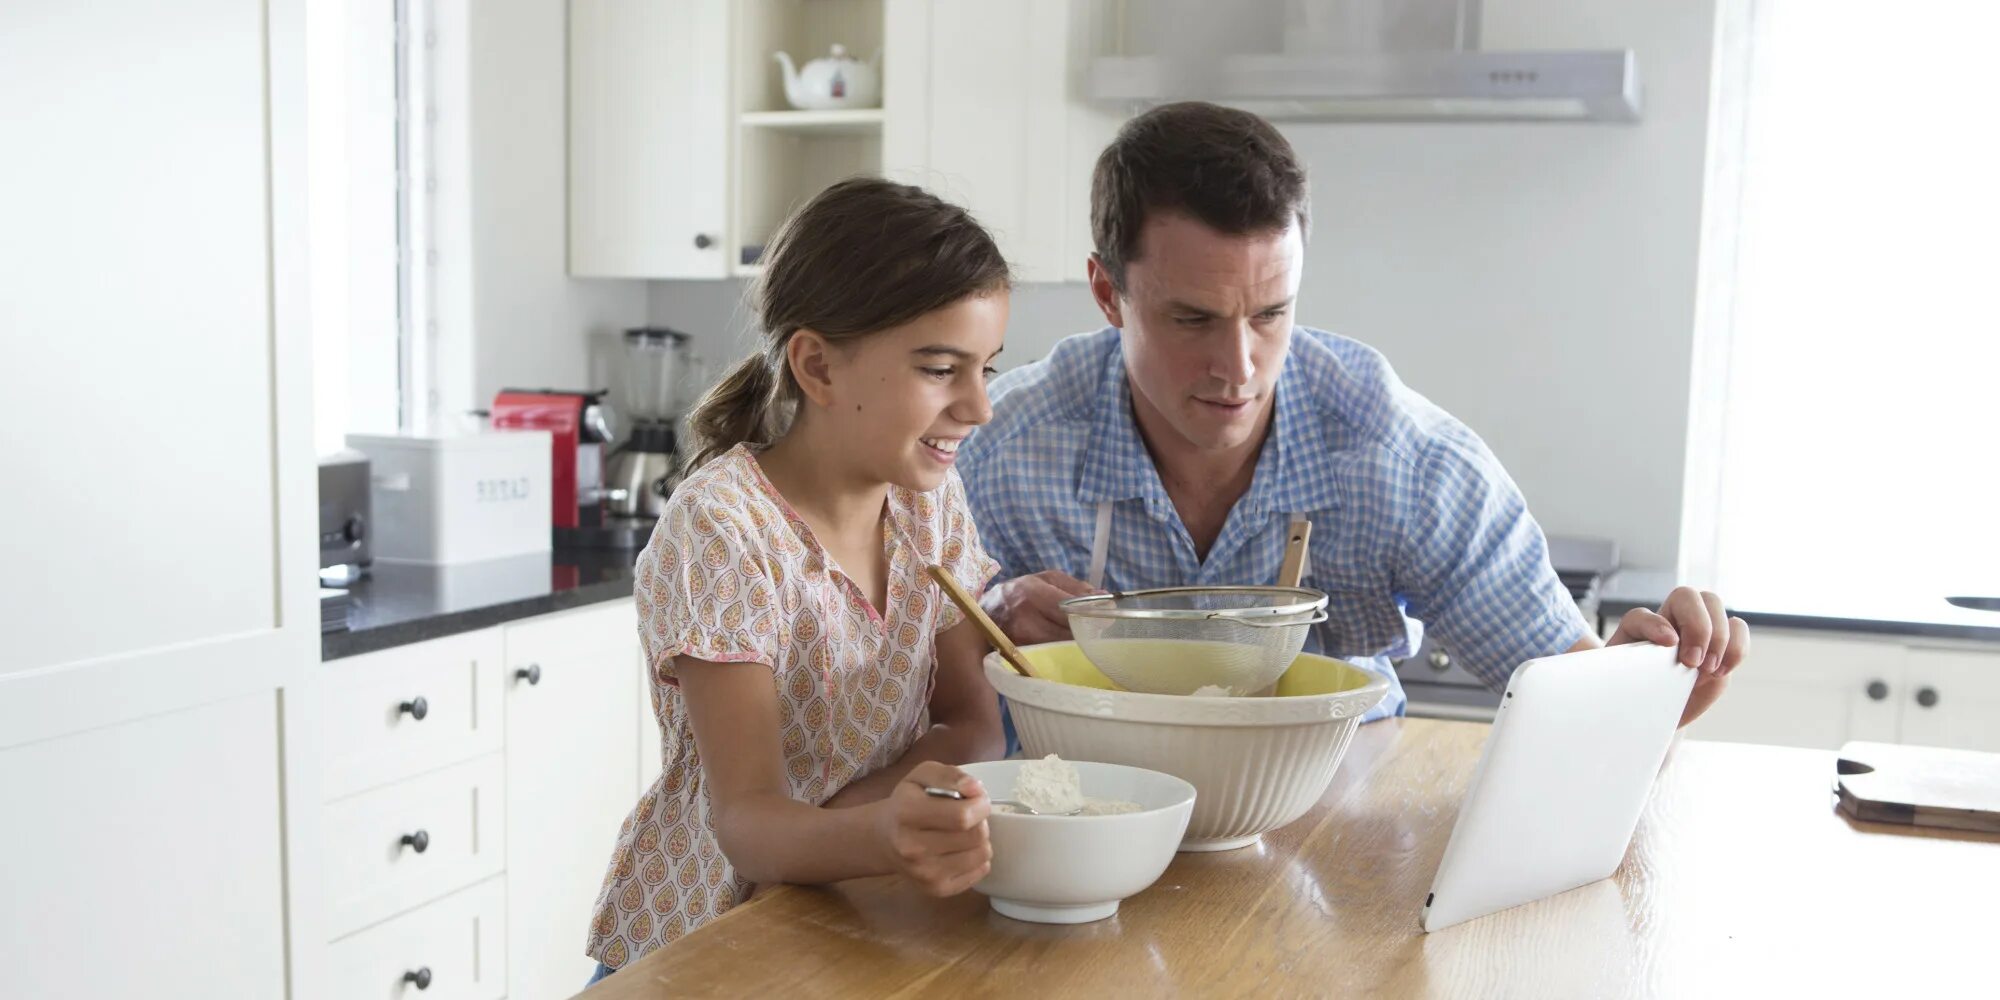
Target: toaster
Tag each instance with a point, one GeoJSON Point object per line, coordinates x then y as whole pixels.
{"type": "Point", "coordinates": [344, 516]}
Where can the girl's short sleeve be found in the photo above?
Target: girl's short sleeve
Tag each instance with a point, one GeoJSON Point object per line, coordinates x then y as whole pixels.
{"type": "Point", "coordinates": [706, 588]}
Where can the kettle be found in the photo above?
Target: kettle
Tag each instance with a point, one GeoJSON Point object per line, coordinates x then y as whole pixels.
{"type": "Point", "coordinates": [834, 81]}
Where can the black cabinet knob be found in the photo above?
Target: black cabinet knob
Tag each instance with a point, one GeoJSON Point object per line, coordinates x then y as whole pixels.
{"type": "Point", "coordinates": [416, 707]}
{"type": "Point", "coordinates": [419, 841]}
{"type": "Point", "coordinates": [421, 977]}
{"type": "Point", "coordinates": [1927, 696]}
{"type": "Point", "coordinates": [1877, 690]}
{"type": "Point", "coordinates": [703, 241]}
{"type": "Point", "coordinates": [532, 673]}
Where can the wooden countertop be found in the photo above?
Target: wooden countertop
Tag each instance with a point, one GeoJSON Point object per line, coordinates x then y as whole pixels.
{"type": "Point", "coordinates": [1743, 879]}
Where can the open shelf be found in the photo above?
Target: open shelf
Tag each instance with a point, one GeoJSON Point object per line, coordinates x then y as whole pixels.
{"type": "Point", "coordinates": [784, 156]}
{"type": "Point", "coordinates": [842, 122]}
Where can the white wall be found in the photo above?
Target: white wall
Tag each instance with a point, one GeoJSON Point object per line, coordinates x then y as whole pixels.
{"type": "Point", "coordinates": [715, 313]}
{"type": "Point", "coordinates": [1539, 281]}
{"type": "Point", "coordinates": [532, 324]}
{"type": "Point", "coordinates": [1536, 280]}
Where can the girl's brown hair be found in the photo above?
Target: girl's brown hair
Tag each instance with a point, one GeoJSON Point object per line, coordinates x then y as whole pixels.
{"type": "Point", "coordinates": [862, 256]}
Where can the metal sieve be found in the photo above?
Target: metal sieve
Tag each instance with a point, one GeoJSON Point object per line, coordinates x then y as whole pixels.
{"type": "Point", "coordinates": [1175, 640]}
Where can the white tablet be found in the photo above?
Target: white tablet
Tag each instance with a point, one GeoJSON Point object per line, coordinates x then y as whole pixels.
{"type": "Point", "coordinates": [1563, 779]}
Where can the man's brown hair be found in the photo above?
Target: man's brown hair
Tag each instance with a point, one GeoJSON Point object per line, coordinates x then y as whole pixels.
{"type": "Point", "coordinates": [1228, 169]}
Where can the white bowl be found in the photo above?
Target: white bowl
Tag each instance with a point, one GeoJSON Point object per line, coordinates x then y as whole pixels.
{"type": "Point", "coordinates": [1075, 869]}
{"type": "Point", "coordinates": [1257, 763]}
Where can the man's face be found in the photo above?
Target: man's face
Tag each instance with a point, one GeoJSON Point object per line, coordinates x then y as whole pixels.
{"type": "Point", "coordinates": [1206, 320]}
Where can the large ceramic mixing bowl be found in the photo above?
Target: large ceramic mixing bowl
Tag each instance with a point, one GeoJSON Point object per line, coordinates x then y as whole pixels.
{"type": "Point", "coordinates": [1256, 763]}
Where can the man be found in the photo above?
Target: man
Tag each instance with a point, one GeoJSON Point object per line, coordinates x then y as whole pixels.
{"type": "Point", "coordinates": [1175, 446]}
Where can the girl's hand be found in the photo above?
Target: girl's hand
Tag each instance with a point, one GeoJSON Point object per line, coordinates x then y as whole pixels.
{"type": "Point", "coordinates": [939, 844]}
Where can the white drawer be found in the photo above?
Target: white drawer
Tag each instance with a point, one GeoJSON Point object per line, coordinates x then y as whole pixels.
{"type": "Point", "coordinates": [454, 814]}
{"type": "Point", "coordinates": [370, 706]}
{"type": "Point", "coordinates": [456, 944]}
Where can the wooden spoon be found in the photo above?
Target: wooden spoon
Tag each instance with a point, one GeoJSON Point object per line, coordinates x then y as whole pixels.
{"type": "Point", "coordinates": [973, 611]}
{"type": "Point", "coordinates": [1295, 554]}
{"type": "Point", "coordinates": [1289, 573]}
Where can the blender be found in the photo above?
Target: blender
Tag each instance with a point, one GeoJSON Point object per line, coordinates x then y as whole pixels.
{"type": "Point", "coordinates": [645, 469]}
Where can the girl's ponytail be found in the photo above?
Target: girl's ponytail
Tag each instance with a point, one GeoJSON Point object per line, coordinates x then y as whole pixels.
{"type": "Point", "coordinates": [736, 411]}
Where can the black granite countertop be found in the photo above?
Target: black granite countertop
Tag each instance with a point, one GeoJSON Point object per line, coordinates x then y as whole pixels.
{"type": "Point", "coordinates": [1882, 614]}
{"type": "Point", "coordinates": [400, 603]}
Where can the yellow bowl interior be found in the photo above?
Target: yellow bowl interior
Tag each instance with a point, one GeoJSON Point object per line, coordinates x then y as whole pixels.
{"type": "Point", "coordinates": [1064, 663]}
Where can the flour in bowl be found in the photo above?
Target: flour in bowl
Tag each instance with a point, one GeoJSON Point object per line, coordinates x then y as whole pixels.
{"type": "Point", "coordinates": [1107, 807]}
{"type": "Point", "coordinates": [1214, 691]}
{"type": "Point", "coordinates": [1049, 785]}
{"type": "Point", "coordinates": [1052, 786]}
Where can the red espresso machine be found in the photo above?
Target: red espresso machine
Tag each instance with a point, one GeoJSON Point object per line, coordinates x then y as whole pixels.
{"type": "Point", "coordinates": [579, 423]}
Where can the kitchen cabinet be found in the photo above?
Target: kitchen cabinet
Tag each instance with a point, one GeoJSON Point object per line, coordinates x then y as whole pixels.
{"type": "Point", "coordinates": [1807, 690]}
{"type": "Point", "coordinates": [409, 749]}
{"type": "Point", "coordinates": [451, 949]}
{"type": "Point", "coordinates": [408, 710]}
{"type": "Point", "coordinates": [392, 849]}
{"type": "Point", "coordinates": [649, 138]}
{"type": "Point", "coordinates": [1951, 698]}
{"type": "Point", "coordinates": [525, 761]}
{"type": "Point", "coordinates": [145, 859]}
{"type": "Point", "coordinates": [155, 619]}
{"type": "Point", "coordinates": [781, 155]}
{"type": "Point", "coordinates": [572, 768]}
{"type": "Point", "coordinates": [997, 124]}
{"type": "Point", "coordinates": [685, 155]}
{"type": "Point", "coordinates": [1821, 689]}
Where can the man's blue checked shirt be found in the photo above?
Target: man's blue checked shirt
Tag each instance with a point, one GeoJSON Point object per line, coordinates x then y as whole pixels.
{"type": "Point", "coordinates": [1415, 524]}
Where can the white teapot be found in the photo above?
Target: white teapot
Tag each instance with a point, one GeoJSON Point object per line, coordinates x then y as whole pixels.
{"type": "Point", "coordinates": [836, 81]}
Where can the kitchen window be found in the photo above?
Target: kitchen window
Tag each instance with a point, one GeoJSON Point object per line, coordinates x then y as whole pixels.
{"type": "Point", "coordinates": [369, 214]}
{"type": "Point", "coordinates": [1845, 437]}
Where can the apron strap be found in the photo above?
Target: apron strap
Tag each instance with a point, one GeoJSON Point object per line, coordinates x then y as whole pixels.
{"type": "Point", "coordinates": [1100, 546]}
{"type": "Point", "coordinates": [1305, 560]}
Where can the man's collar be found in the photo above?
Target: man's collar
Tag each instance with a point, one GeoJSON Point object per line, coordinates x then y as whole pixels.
{"type": "Point", "coordinates": [1116, 465]}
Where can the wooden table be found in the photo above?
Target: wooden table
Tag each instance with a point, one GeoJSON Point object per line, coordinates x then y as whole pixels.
{"type": "Point", "coordinates": [1743, 879]}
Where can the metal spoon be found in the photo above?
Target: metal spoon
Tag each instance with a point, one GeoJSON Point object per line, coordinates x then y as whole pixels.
{"type": "Point", "coordinates": [953, 793]}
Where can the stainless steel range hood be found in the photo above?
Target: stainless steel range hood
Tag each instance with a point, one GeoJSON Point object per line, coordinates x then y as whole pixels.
{"type": "Point", "coordinates": [1360, 60]}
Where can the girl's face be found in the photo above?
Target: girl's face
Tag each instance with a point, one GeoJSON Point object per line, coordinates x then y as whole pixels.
{"type": "Point", "coordinates": [901, 400]}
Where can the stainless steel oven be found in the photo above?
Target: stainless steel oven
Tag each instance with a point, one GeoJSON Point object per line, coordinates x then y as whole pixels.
{"type": "Point", "coordinates": [1440, 688]}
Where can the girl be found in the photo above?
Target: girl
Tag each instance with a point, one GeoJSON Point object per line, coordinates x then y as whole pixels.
{"type": "Point", "coordinates": [808, 676]}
